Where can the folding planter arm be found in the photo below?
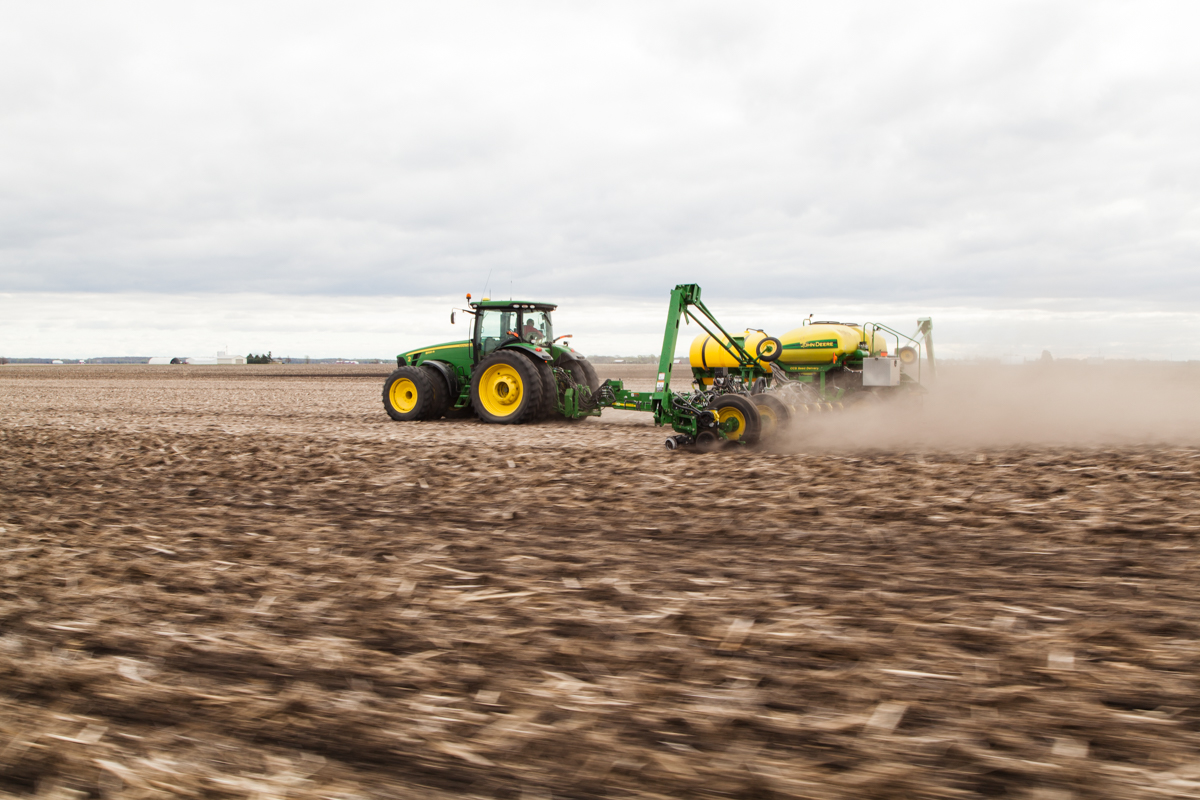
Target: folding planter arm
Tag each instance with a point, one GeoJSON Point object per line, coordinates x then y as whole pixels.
{"type": "Point", "coordinates": [686, 296]}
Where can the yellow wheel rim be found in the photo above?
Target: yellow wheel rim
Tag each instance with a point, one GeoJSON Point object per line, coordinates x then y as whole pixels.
{"type": "Point", "coordinates": [769, 420]}
{"type": "Point", "coordinates": [767, 350]}
{"type": "Point", "coordinates": [729, 412]}
{"type": "Point", "coordinates": [501, 390]}
{"type": "Point", "coordinates": [403, 395]}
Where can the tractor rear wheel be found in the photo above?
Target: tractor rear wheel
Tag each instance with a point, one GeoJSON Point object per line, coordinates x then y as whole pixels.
{"type": "Point", "coordinates": [578, 372]}
{"type": "Point", "coordinates": [740, 409]}
{"type": "Point", "coordinates": [506, 388]}
{"type": "Point", "coordinates": [584, 375]}
{"type": "Point", "coordinates": [549, 389]}
{"type": "Point", "coordinates": [592, 379]}
{"type": "Point", "coordinates": [408, 394]}
{"type": "Point", "coordinates": [773, 412]}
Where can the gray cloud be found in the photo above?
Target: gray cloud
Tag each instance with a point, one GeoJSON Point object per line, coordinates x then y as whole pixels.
{"type": "Point", "coordinates": [878, 151]}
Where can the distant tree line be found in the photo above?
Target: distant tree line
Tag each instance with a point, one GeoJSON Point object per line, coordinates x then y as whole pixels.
{"type": "Point", "coordinates": [259, 359]}
{"type": "Point", "coordinates": [625, 359]}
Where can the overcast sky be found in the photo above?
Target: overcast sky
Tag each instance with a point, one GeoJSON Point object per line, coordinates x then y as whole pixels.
{"type": "Point", "coordinates": [973, 155]}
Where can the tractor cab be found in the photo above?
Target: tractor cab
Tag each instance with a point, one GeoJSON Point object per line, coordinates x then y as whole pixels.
{"type": "Point", "coordinates": [505, 322]}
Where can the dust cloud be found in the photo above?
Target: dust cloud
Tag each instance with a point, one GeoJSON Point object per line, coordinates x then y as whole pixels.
{"type": "Point", "coordinates": [992, 406]}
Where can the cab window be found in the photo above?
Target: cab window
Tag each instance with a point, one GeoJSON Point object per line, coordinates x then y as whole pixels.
{"type": "Point", "coordinates": [535, 327]}
{"type": "Point", "coordinates": [494, 327]}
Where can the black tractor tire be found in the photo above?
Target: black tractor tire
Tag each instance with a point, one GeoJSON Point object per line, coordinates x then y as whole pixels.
{"type": "Point", "coordinates": [578, 373]}
{"type": "Point", "coordinates": [589, 374]}
{"type": "Point", "coordinates": [506, 389]}
{"type": "Point", "coordinates": [749, 429]}
{"type": "Point", "coordinates": [549, 388]}
{"type": "Point", "coordinates": [584, 374]}
{"type": "Point", "coordinates": [774, 413]}
{"type": "Point", "coordinates": [439, 404]}
{"type": "Point", "coordinates": [408, 394]}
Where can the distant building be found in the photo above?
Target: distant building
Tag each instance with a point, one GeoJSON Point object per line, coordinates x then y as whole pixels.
{"type": "Point", "coordinates": [221, 358]}
{"type": "Point", "coordinates": [159, 360]}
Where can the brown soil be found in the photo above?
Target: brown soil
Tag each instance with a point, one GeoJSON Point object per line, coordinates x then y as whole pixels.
{"type": "Point", "coordinates": [230, 582]}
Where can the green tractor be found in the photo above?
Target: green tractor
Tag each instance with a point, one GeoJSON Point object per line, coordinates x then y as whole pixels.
{"type": "Point", "coordinates": [744, 388]}
{"type": "Point", "coordinates": [512, 370]}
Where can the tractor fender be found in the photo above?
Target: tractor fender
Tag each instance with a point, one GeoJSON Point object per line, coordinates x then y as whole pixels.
{"type": "Point", "coordinates": [447, 373]}
{"type": "Point", "coordinates": [564, 357]}
{"type": "Point", "coordinates": [528, 351]}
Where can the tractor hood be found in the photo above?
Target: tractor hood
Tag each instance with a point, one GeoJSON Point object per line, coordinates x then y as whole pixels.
{"type": "Point", "coordinates": [439, 351]}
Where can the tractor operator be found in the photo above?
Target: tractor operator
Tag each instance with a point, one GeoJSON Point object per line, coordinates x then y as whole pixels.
{"type": "Point", "coordinates": [531, 332]}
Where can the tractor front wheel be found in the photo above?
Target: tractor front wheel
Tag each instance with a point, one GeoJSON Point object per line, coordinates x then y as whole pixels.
{"type": "Point", "coordinates": [408, 394]}
{"type": "Point", "coordinates": [506, 388]}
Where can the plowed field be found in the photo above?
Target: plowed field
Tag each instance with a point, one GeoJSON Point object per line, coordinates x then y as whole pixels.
{"type": "Point", "coordinates": [246, 583]}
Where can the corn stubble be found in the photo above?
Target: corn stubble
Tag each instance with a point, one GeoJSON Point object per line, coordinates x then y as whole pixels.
{"type": "Point", "coordinates": [235, 584]}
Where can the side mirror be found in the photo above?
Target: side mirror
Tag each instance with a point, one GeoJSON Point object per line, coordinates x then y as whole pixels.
{"type": "Point", "coordinates": [451, 317]}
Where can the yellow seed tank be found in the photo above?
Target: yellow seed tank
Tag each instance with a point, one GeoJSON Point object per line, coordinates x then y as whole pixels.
{"type": "Point", "coordinates": [822, 342]}
{"type": "Point", "coordinates": [707, 353]}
